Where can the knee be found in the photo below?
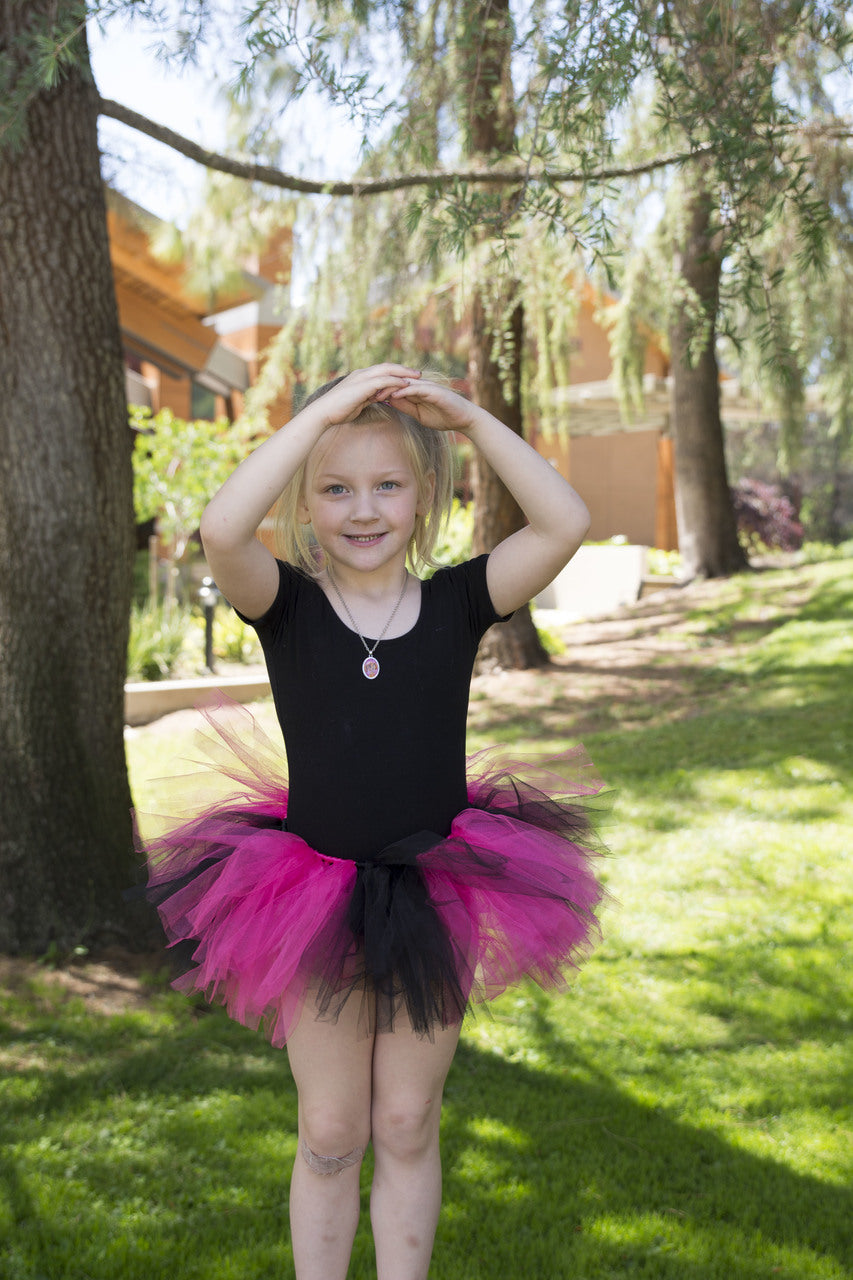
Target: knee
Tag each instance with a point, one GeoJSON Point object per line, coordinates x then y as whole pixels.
{"type": "Point", "coordinates": [331, 1142]}
{"type": "Point", "coordinates": [406, 1128]}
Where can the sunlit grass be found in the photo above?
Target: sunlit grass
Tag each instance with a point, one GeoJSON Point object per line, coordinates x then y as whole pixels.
{"type": "Point", "coordinates": [683, 1112]}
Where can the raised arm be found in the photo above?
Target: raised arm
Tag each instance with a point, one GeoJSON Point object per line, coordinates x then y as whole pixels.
{"type": "Point", "coordinates": [244, 570]}
{"type": "Point", "coordinates": [525, 562]}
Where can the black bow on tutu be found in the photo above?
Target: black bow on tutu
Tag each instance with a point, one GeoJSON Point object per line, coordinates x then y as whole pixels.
{"type": "Point", "coordinates": [406, 949]}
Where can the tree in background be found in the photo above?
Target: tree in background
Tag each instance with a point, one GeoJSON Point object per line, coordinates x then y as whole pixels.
{"type": "Point", "coordinates": [474, 264]}
{"type": "Point", "coordinates": [721, 85]}
{"type": "Point", "coordinates": [489, 123]}
{"type": "Point", "coordinates": [800, 360]}
{"type": "Point", "coordinates": [717, 77]}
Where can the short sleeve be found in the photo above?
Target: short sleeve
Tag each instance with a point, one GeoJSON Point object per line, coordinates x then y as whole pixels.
{"type": "Point", "coordinates": [468, 580]}
{"type": "Point", "coordinates": [272, 623]}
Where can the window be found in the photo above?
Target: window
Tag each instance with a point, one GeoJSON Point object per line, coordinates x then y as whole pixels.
{"type": "Point", "coordinates": [203, 402]}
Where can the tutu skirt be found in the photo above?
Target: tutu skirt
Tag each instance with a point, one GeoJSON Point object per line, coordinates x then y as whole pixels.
{"type": "Point", "coordinates": [428, 925]}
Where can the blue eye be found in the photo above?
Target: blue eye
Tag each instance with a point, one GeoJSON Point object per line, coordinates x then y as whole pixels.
{"type": "Point", "coordinates": [389, 484]}
{"type": "Point", "coordinates": [335, 489]}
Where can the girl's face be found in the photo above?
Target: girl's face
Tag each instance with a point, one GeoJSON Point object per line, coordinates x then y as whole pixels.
{"type": "Point", "coordinates": [361, 497]}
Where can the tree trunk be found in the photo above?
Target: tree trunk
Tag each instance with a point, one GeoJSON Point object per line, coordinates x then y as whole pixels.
{"type": "Point", "coordinates": [490, 129]}
{"type": "Point", "coordinates": [66, 527]}
{"type": "Point", "coordinates": [514, 645]}
{"type": "Point", "coordinates": [707, 530]}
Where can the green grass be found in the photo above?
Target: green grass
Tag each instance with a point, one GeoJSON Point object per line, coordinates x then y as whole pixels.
{"type": "Point", "coordinates": [683, 1113]}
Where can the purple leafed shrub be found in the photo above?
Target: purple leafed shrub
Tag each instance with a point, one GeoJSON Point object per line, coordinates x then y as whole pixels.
{"type": "Point", "coordinates": [766, 515]}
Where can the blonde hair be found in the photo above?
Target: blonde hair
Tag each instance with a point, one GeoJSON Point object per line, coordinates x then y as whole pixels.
{"type": "Point", "coordinates": [430, 456]}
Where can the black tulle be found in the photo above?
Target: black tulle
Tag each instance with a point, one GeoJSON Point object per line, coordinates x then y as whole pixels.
{"type": "Point", "coordinates": [423, 928]}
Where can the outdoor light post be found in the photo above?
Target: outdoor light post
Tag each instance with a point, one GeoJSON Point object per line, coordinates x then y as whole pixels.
{"type": "Point", "coordinates": [208, 596]}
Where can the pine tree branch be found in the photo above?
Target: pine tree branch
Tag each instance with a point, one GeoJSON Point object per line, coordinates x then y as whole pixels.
{"type": "Point", "coordinates": [273, 177]}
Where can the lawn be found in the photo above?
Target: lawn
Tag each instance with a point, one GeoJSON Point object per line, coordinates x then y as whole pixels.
{"type": "Point", "coordinates": [684, 1111]}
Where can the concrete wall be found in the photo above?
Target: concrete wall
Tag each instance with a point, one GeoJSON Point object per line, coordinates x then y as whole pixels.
{"type": "Point", "coordinates": [621, 478]}
{"type": "Point", "coordinates": [596, 581]}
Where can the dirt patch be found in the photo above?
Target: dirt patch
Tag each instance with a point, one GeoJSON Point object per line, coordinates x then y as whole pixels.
{"type": "Point", "coordinates": [649, 663]}
{"type": "Point", "coordinates": [111, 983]}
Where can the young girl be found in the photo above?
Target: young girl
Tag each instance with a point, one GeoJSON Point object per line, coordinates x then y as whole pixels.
{"type": "Point", "coordinates": [359, 909]}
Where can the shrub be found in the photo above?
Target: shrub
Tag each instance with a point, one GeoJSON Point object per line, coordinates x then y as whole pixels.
{"type": "Point", "coordinates": [233, 640]}
{"type": "Point", "coordinates": [766, 517]}
{"type": "Point", "coordinates": [140, 577]}
{"type": "Point", "coordinates": [816, 552]}
{"type": "Point", "coordinates": [552, 642]}
{"type": "Point", "coordinates": [157, 640]}
{"type": "Point", "coordinates": [456, 539]}
{"type": "Point", "coordinates": [661, 563]}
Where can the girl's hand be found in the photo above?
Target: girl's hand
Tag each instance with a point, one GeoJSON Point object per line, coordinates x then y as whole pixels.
{"type": "Point", "coordinates": [346, 400]}
{"type": "Point", "coordinates": [526, 561]}
{"type": "Point", "coordinates": [435, 406]}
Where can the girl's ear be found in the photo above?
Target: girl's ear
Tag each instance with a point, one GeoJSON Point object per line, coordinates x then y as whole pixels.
{"type": "Point", "coordinates": [427, 495]}
{"type": "Point", "coordinates": [302, 513]}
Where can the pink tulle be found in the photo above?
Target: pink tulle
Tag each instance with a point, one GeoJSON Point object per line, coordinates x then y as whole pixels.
{"type": "Point", "coordinates": [510, 893]}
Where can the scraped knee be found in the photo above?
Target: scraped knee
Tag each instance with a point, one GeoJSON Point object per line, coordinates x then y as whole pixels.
{"type": "Point", "coordinates": [327, 1166]}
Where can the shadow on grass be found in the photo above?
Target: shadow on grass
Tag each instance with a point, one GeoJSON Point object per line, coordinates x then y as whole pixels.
{"type": "Point", "coordinates": [166, 1152]}
{"type": "Point", "coordinates": [727, 729]}
{"type": "Point", "coordinates": [594, 1184]}
{"type": "Point", "coordinates": [777, 997]}
{"type": "Point", "coordinates": [834, 601]}
{"type": "Point", "coordinates": [756, 705]}
{"type": "Point", "coordinates": [155, 1146]}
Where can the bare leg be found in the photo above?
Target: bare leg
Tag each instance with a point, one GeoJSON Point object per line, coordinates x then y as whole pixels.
{"type": "Point", "coordinates": [331, 1064]}
{"type": "Point", "coordinates": [408, 1080]}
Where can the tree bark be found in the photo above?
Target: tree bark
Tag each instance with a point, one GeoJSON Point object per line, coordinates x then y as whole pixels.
{"type": "Point", "coordinates": [707, 530]}
{"type": "Point", "coordinates": [66, 527]}
{"type": "Point", "coordinates": [490, 130]}
{"type": "Point", "coordinates": [514, 645]}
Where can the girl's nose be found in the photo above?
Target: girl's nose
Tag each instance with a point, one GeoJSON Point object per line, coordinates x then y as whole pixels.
{"type": "Point", "coordinates": [364, 507]}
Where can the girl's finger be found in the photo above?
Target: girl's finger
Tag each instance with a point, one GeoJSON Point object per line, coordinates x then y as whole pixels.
{"type": "Point", "coordinates": [416, 392]}
{"type": "Point", "coordinates": [388, 370]}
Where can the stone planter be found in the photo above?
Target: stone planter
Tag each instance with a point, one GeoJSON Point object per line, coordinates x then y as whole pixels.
{"type": "Point", "coordinates": [597, 580]}
{"type": "Point", "coordinates": [145, 701]}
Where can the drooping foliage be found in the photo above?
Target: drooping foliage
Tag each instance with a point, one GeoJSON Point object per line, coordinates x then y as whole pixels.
{"type": "Point", "coordinates": [724, 84]}
{"type": "Point", "coordinates": [399, 271]}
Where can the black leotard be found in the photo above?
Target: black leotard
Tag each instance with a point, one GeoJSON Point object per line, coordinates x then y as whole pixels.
{"type": "Point", "coordinates": [373, 761]}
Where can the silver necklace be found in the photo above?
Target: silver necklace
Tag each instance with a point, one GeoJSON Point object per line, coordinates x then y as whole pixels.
{"type": "Point", "coordinates": [370, 666]}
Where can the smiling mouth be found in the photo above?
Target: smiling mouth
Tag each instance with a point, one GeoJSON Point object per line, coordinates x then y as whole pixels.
{"type": "Point", "coordinates": [363, 537]}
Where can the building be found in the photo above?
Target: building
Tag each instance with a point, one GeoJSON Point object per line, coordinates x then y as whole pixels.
{"type": "Point", "coordinates": [624, 469]}
{"type": "Point", "coordinates": [177, 354]}
{"type": "Point", "coordinates": [198, 360]}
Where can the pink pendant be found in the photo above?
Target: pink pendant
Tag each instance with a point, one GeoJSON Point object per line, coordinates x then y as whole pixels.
{"type": "Point", "coordinates": [370, 667]}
